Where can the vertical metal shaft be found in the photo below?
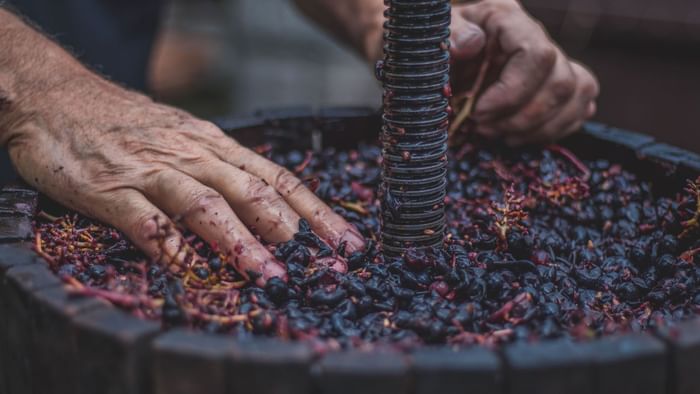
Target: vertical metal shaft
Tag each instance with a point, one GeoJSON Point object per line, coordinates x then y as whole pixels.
{"type": "Point", "coordinates": [415, 76]}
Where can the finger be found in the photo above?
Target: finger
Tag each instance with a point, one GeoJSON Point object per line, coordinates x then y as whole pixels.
{"type": "Point", "coordinates": [592, 109]}
{"type": "Point", "coordinates": [467, 40]}
{"type": "Point", "coordinates": [566, 122]}
{"type": "Point", "coordinates": [147, 227]}
{"type": "Point", "coordinates": [590, 89]}
{"type": "Point", "coordinates": [259, 205]}
{"type": "Point", "coordinates": [255, 202]}
{"type": "Point", "coordinates": [520, 79]}
{"type": "Point", "coordinates": [568, 119]}
{"type": "Point", "coordinates": [205, 212]}
{"type": "Point", "coordinates": [488, 130]}
{"type": "Point", "coordinates": [326, 223]}
{"type": "Point", "coordinates": [530, 56]}
{"type": "Point", "coordinates": [590, 85]}
{"type": "Point", "coordinates": [554, 94]}
{"type": "Point", "coordinates": [582, 106]}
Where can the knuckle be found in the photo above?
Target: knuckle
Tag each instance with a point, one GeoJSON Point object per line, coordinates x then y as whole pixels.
{"type": "Point", "coordinates": [513, 4]}
{"type": "Point", "coordinates": [526, 119]}
{"type": "Point", "coordinates": [503, 6]}
{"type": "Point", "coordinates": [256, 187]}
{"type": "Point", "coordinates": [286, 183]}
{"type": "Point", "coordinates": [500, 15]}
{"type": "Point", "coordinates": [510, 100]}
{"type": "Point", "coordinates": [203, 200]}
{"type": "Point", "coordinates": [258, 190]}
{"type": "Point", "coordinates": [232, 149]}
{"type": "Point", "coordinates": [562, 89]}
{"type": "Point", "coordinates": [146, 225]}
{"type": "Point", "coordinates": [207, 127]}
{"type": "Point", "coordinates": [544, 55]}
{"type": "Point", "coordinates": [503, 94]}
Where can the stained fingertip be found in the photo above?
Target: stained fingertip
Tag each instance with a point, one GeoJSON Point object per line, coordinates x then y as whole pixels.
{"type": "Point", "coordinates": [354, 242]}
{"type": "Point", "coordinates": [271, 269]}
{"type": "Point", "coordinates": [164, 244]}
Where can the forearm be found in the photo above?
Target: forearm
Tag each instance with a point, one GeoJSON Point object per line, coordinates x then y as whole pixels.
{"type": "Point", "coordinates": [357, 23]}
{"type": "Point", "coordinates": [30, 63]}
{"type": "Point", "coordinates": [38, 79]}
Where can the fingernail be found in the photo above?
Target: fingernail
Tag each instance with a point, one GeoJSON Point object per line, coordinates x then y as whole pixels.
{"type": "Point", "coordinates": [354, 241]}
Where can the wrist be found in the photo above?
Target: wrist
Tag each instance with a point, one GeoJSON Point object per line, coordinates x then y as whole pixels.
{"type": "Point", "coordinates": [32, 68]}
{"type": "Point", "coordinates": [41, 84]}
{"type": "Point", "coordinates": [79, 102]}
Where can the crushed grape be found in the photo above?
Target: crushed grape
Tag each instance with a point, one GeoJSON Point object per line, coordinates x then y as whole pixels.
{"type": "Point", "coordinates": [539, 245]}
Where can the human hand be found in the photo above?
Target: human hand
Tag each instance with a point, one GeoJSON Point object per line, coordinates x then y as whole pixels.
{"type": "Point", "coordinates": [533, 92]}
{"type": "Point", "coordinates": [119, 157]}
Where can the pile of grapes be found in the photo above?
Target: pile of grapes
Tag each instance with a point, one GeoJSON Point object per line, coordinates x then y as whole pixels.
{"type": "Point", "coordinates": [539, 245]}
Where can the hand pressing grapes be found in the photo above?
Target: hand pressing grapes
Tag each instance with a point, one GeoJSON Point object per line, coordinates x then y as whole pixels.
{"type": "Point", "coordinates": [533, 92]}
{"type": "Point", "coordinates": [117, 156]}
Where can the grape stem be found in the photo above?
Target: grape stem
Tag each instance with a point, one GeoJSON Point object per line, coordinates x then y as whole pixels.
{"type": "Point", "coordinates": [573, 159]}
{"type": "Point", "coordinates": [472, 93]}
{"type": "Point", "coordinates": [694, 222]}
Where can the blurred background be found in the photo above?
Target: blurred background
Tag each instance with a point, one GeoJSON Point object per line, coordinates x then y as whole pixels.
{"type": "Point", "coordinates": [235, 56]}
{"type": "Point", "coordinates": [222, 57]}
{"type": "Point", "coordinates": [646, 54]}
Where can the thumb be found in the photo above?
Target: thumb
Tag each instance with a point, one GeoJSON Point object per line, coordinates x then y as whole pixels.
{"type": "Point", "coordinates": [467, 39]}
